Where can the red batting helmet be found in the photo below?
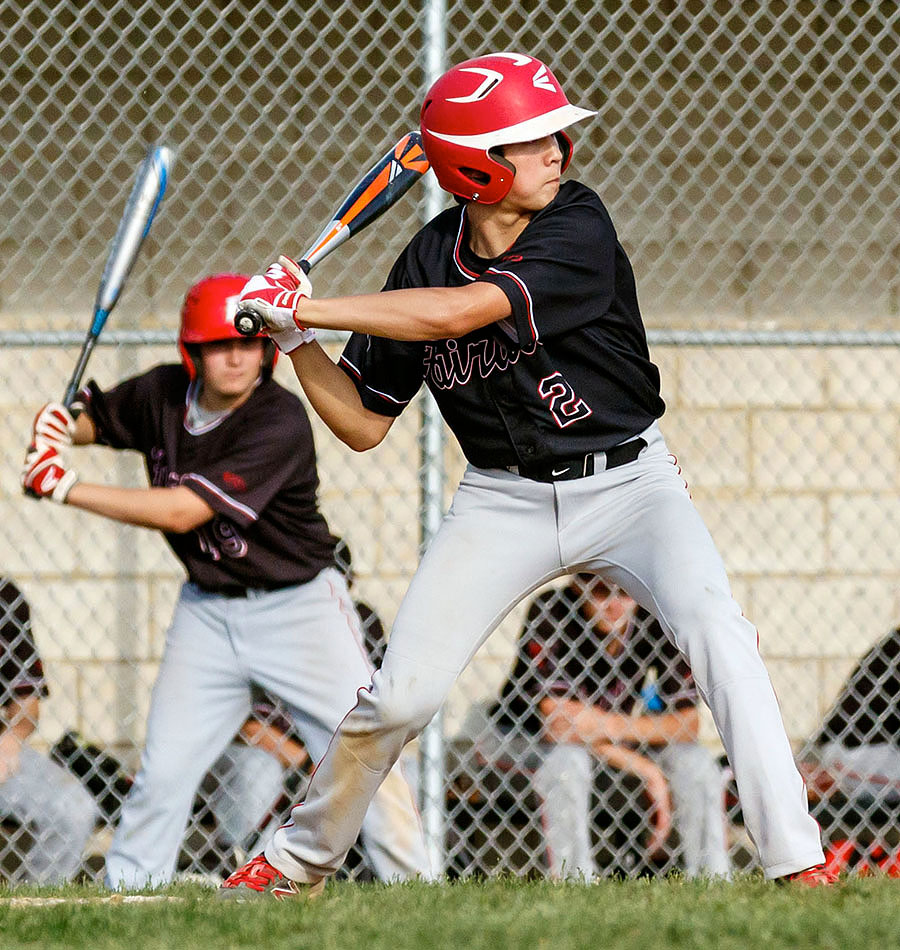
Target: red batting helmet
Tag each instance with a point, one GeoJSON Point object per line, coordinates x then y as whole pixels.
{"type": "Point", "coordinates": [208, 315]}
{"type": "Point", "coordinates": [484, 103]}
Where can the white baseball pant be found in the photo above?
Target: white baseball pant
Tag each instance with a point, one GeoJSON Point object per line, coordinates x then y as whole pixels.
{"type": "Point", "coordinates": [503, 537]}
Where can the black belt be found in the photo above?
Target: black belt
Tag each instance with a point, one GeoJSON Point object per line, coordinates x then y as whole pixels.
{"type": "Point", "coordinates": [561, 470]}
{"type": "Point", "coordinates": [238, 590]}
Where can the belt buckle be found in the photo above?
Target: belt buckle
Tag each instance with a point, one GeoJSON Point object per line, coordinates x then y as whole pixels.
{"type": "Point", "coordinates": [233, 591]}
{"type": "Point", "coordinates": [565, 471]}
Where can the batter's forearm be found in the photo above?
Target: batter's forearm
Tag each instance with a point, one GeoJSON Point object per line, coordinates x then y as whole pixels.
{"type": "Point", "coordinates": [420, 313]}
{"type": "Point", "coordinates": [175, 510]}
{"type": "Point", "coordinates": [85, 430]}
{"type": "Point", "coordinates": [335, 399]}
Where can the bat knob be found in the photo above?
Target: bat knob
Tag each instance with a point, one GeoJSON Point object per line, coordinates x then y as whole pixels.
{"type": "Point", "coordinates": [247, 323]}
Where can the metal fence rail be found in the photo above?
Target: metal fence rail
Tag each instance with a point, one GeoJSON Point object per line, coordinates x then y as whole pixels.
{"type": "Point", "coordinates": [655, 337]}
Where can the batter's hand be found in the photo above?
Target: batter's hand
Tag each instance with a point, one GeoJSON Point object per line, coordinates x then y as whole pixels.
{"type": "Point", "coordinates": [273, 297]}
{"type": "Point", "coordinates": [47, 475]}
{"type": "Point", "coordinates": [53, 425]}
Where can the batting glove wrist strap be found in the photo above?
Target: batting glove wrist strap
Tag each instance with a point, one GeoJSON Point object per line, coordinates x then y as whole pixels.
{"type": "Point", "coordinates": [66, 483]}
{"type": "Point", "coordinates": [46, 475]}
{"type": "Point", "coordinates": [288, 340]}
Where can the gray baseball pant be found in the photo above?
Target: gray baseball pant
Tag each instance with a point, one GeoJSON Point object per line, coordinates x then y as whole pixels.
{"type": "Point", "coordinates": [301, 645]}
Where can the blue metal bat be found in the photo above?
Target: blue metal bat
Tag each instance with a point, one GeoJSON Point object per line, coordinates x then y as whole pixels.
{"type": "Point", "coordinates": [146, 195]}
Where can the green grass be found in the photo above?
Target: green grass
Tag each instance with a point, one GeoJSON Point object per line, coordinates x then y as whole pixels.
{"type": "Point", "coordinates": [650, 915]}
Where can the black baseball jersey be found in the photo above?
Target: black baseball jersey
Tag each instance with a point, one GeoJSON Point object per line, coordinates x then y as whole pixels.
{"type": "Point", "coordinates": [560, 654]}
{"type": "Point", "coordinates": [255, 467]}
{"type": "Point", "coordinates": [568, 373]}
{"type": "Point", "coordinates": [21, 670]}
{"type": "Point", "coordinates": [868, 707]}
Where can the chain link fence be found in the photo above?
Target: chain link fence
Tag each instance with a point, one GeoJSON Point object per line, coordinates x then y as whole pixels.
{"type": "Point", "coordinates": [749, 153]}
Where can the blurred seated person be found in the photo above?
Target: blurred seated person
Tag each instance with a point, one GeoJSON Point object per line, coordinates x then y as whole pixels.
{"type": "Point", "coordinates": [53, 812]}
{"type": "Point", "coordinates": [856, 753]}
{"type": "Point", "coordinates": [596, 682]}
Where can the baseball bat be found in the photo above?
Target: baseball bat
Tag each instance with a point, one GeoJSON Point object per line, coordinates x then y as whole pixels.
{"type": "Point", "coordinates": [381, 187]}
{"type": "Point", "coordinates": [140, 209]}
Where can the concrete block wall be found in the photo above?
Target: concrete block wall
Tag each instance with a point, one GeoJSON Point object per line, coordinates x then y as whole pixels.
{"type": "Point", "coordinates": [791, 455]}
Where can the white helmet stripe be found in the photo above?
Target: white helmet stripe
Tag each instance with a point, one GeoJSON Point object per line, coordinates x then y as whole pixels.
{"type": "Point", "coordinates": [519, 59]}
{"type": "Point", "coordinates": [491, 79]}
{"type": "Point", "coordinates": [526, 131]}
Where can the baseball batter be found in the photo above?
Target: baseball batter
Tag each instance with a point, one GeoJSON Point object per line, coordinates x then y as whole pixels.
{"type": "Point", "coordinates": [518, 309]}
{"type": "Point", "coordinates": [233, 478]}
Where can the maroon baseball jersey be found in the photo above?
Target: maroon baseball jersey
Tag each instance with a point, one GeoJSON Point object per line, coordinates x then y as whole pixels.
{"type": "Point", "coordinates": [568, 373]}
{"type": "Point", "coordinates": [255, 467]}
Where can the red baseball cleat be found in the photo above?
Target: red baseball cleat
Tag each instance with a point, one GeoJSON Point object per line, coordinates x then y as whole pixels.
{"type": "Point", "coordinates": [258, 879]}
{"type": "Point", "coordinates": [817, 876]}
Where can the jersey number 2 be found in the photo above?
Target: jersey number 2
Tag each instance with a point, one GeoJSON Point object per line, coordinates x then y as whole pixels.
{"type": "Point", "coordinates": [565, 406]}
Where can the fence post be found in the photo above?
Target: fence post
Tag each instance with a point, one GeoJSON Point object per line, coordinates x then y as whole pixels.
{"type": "Point", "coordinates": [431, 485]}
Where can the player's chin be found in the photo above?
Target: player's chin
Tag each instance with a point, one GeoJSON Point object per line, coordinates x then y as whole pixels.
{"type": "Point", "coordinates": [545, 195]}
{"type": "Point", "coordinates": [235, 389]}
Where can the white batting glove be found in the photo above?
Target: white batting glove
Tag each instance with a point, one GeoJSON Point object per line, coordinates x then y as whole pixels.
{"type": "Point", "coordinates": [53, 425]}
{"type": "Point", "coordinates": [46, 474]}
{"type": "Point", "coordinates": [273, 297]}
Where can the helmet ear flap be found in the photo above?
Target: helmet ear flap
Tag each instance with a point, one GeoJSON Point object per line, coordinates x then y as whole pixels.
{"type": "Point", "coordinates": [496, 155]}
{"type": "Point", "coordinates": [489, 177]}
{"type": "Point", "coordinates": [190, 358]}
{"type": "Point", "coordinates": [270, 358]}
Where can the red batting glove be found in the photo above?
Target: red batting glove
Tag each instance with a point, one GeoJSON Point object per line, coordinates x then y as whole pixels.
{"type": "Point", "coordinates": [46, 474]}
{"type": "Point", "coordinates": [274, 297]}
{"type": "Point", "coordinates": [53, 425]}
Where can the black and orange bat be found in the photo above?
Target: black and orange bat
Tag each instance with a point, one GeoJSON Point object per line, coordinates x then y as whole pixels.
{"type": "Point", "coordinates": [380, 188]}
